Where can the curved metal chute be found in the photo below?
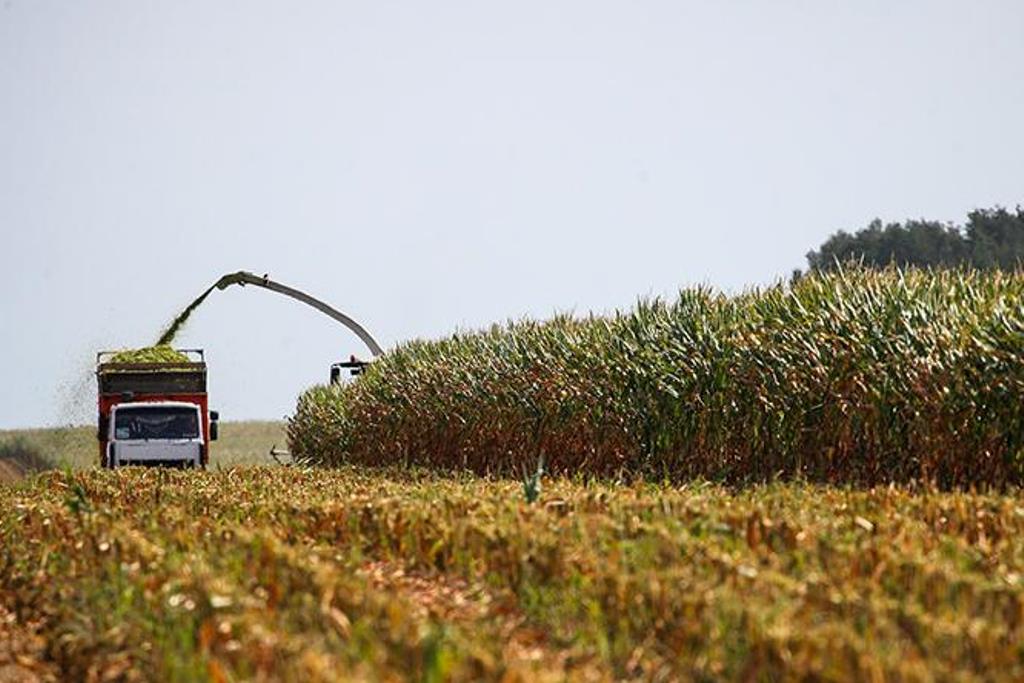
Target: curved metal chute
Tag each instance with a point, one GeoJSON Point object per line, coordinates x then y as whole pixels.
{"type": "Point", "coordinates": [243, 278]}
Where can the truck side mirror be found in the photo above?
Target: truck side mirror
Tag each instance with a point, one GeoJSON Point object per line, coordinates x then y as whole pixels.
{"type": "Point", "coordinates": [214, 416]}
{"type": "Point", "coordinates": [101, 432]}
{"type": "Point", "coordinates": [335, 374]}
{"type": "Point", "coordinates": [213, 430]}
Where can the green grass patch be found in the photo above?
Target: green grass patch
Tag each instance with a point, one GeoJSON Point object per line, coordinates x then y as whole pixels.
{"type": "Point", "coordinates": [240, 443]}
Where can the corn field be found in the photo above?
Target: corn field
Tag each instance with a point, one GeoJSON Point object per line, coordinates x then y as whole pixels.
{"type": "Point", "coordinates": [387, 574]}
{"type": "Point", "coordinates": [859, 377]}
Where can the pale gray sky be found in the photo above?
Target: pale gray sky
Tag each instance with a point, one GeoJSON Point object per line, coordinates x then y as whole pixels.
{"type": "Point", "coordinates": [427, 166]}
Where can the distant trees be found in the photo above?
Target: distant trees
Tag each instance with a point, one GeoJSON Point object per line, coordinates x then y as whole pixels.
{"type": "Point", "coordinates": [991, 238]}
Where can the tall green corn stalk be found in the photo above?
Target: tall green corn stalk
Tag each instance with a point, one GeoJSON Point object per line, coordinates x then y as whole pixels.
{"type": "Point", "coordinates": [858, 376]}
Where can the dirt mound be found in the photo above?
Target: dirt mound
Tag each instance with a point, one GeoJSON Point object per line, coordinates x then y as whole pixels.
{"type": "Point", "coordinates": [11, 470]}
{"type": "Point", "coordinates": [18, 459]}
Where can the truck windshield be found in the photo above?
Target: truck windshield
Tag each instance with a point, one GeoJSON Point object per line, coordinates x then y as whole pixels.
{"type": "Point", "coordinates": [156, 423]}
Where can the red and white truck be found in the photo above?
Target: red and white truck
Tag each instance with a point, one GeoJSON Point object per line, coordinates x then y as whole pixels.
{"type": "Point", "coordinates": [154, 413]}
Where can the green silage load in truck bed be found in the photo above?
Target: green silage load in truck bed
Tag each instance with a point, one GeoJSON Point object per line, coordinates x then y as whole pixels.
{"type": "Point", "coordinates": [150, 354]}
{"type": "Point", "coordinates": [153, 370]}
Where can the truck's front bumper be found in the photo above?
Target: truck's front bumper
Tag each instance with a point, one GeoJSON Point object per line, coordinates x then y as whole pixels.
{"type": "Point", "coordinates": [156, 453]}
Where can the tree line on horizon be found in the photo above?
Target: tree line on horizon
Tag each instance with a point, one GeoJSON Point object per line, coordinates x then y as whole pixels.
{"type": "Point", "coordinates": [990, 239]}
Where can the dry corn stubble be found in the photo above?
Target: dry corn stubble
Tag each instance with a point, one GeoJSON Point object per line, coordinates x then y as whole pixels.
{"type": "Point", "coordinates": [324, 574]}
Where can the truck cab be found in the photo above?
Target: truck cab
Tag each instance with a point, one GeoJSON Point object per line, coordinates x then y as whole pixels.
{"type": "Point", "coordinates": [155, 433]}
{"type": "Point", "coordinates": [154, 413]}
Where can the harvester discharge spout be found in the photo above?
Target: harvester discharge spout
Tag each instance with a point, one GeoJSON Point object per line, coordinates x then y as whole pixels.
{"type": "Point", "coordinates": [242, 278]}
